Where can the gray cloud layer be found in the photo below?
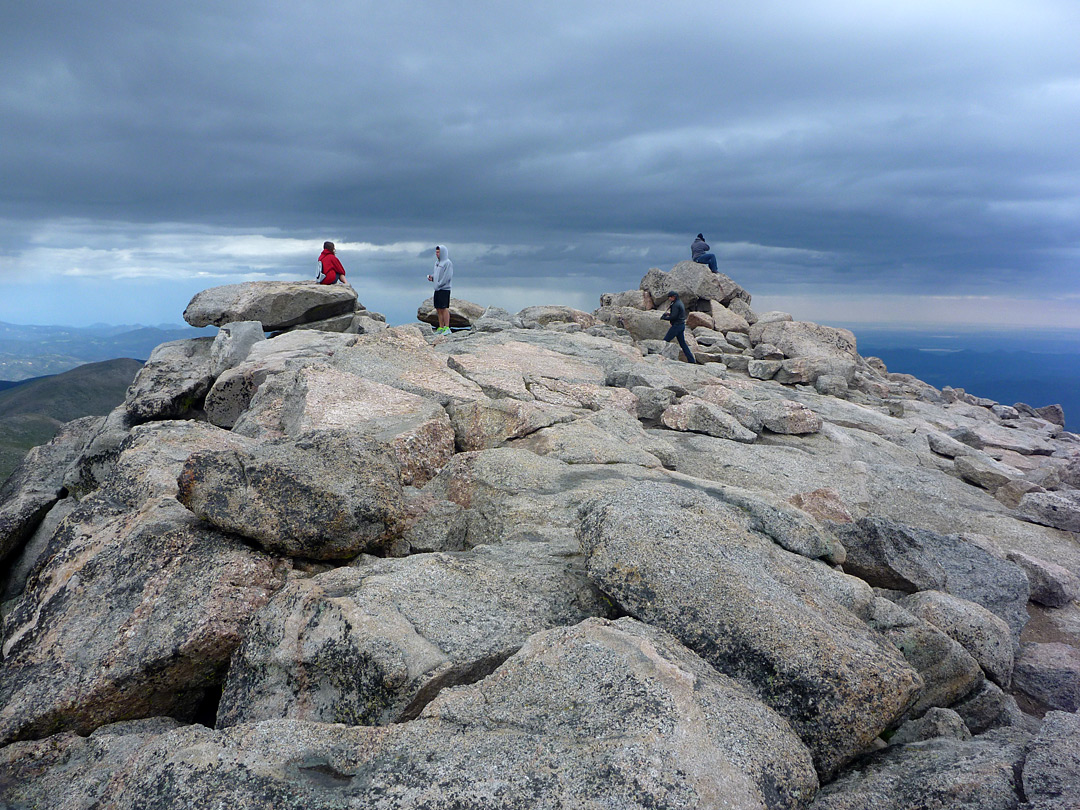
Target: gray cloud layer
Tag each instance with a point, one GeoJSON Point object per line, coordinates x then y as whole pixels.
{"type": "Point", "coordinates": [870, 146]}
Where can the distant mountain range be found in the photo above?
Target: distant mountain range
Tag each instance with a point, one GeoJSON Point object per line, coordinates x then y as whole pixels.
{"type": "Point", "coordinates": [35, 351]}
{"type": "Point", "coordinates": [33, 410]}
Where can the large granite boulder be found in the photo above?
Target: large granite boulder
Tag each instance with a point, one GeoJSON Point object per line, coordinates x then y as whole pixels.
{"type": "Point", "coordinates": [693, 282]}
{"type": "Point", "coordinates": [694, 565]}
{"type": "Point", "coordinates": [549, 314]}
{"type": "Point", "coordinates": [326, 495]}
{"type": "Point", "coordinates": [1051, 775]}
{"type": "Point", "coordinates": [602, 714]}
{"type": "Point", "coordinates": [173, 382]}
{"type": "Point", "coordinates": [375, 643]}
{"type": "Point", "coordinates": [319, 397]}
{"type": "Point", "coordinates": [274, 304]}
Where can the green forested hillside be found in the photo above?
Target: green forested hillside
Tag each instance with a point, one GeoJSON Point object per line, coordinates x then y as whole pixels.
{"type": "Point", "coordinates": [33, 410]}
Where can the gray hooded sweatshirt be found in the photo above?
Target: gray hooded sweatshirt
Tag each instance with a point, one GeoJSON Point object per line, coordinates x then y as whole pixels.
{"type": "Point", "coordinates": [443, 273]}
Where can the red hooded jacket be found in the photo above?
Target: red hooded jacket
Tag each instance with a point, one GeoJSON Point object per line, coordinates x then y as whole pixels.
{"type": "Point", "coordinates": [331, 268]}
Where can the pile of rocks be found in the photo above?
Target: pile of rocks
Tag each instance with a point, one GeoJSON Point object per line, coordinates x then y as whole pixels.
{"type": "Point", "coordinates": [540, 563]}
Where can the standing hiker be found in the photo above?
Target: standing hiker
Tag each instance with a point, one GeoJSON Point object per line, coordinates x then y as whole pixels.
{"type": "Point", "coordinates": [677, 315]}
{"type": "Point", "coordinates": [330, 269]}
{"type": "Point", "coordinates": [699, 252]}
{"type": "Point", "coordinates": [442, 275]}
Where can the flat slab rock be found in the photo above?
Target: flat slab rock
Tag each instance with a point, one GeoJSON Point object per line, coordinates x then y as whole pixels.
{"type": "Point", "coordinates": [275, 304]}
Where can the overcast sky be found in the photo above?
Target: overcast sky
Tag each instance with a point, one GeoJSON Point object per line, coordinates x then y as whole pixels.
{"type": "Point", "coordinates": [847, 160]}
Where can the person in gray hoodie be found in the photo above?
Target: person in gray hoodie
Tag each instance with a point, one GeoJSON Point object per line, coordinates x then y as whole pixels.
{"type": "Point", "coordinates": [677, 315]}
{"type": "Point", "coordinates": [699, 252]}
{"type": "Point", "coordinates": [442, 275]}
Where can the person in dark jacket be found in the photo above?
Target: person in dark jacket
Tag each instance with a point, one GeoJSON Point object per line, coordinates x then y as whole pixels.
{"type": "Point", "coordinates": [699, 252]}
{"type": "Point", "coordinates": [330, 269]}
{"type": "Point", "coordinates": [677, 315]}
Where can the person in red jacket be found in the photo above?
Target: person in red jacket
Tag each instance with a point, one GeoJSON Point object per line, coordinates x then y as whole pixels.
{"type": "Point", "coordinates": [330, 269]}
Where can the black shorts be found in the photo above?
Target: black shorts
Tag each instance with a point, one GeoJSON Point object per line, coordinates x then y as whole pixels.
{"type": "Point", "coordinates": [442, 299]}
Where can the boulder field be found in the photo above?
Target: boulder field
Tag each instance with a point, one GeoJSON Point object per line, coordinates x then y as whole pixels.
{"type": "Point", "coordinates": [541, 562]}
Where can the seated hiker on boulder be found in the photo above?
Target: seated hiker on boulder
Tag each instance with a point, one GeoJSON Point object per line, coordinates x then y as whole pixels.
{"type": "Point", "coordinates": [699, 251]}
{"type": "Point", "coordinates": [442, 275]}
{"type": "Point", "coordinates": [677, 315]}
{"type": "Point", "coordinates": [330, 269]}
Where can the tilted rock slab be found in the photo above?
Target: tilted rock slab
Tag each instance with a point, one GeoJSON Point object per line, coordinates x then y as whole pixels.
{"type": "Point", "coordinates": [485, 423]}
{"type": "Point", "coordinates": [173, 382]}
{"type": "Point", "coordinates": [548, 314]}
{"type": "Point", "coordinates": [698, 416]}
{"type": "Point", "coordinates": [942, 773]}
{"type": "Point", "coordinates": [688, 563]}
{"type": "Point", "coordinates": [133, 614]}
{"type": "Point", "coordinates": [692, 281]}
{"type": "Point", "coordinates": [326, 495]}
{"type": "Point", "coordinates": [373, 644]}
{"type": "Point", "coordinates": [1049, 674]}
{"type": "Point", "coordinates": [274, 304]}
{"type": "Point", "coordinates": [603, 714]}
{"type": "Point", "coordinates": [1051, 585]}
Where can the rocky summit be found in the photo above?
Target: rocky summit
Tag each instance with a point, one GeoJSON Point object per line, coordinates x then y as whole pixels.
{"type": "Point", "coordinates": [542, 562]}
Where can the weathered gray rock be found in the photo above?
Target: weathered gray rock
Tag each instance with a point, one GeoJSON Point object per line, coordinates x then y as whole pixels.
{"type": "Point", "coordinates": [1049, 674]}
{"type": "Point", "coordinates": [786, 416]}
{"type": "Point", "coordinates": [326, 495]}
{"type": "Point", "coordinates": [549, 314]}
{"type": "Point", "coordinates": [741, 307]}
{"type": "Point", "coordinates": [737, 601]}
{"type": "Point", "coordinates": [987, 707]}
{"type": "Point", "coordinates": [97, 459]}
{"type": "Point", "coordinates": [610, 437]}
{"type": "Point", "coordinates": [947, 670]}
{"type": "Point", "coordinates": [274, 304]}
{"type": "Point", "coordinates": [980, 632]}
{"type": "Point", "coordinates": [824, 504]}
{"type": "Point", "coordinates": [173, 382]}
{"type": "Point", "coordinates": [699, 416]}
{"type": "Point", "coordinates": [28, 557]}
{"type": "Point", "coordinates": [462, 312]}
{"type": "Point", "coordinates": [1050, 509]}
{"type": "Point", "coordinates": [942, 773]}
{"type": "Point", "coordinates": [38, 483]}
{"type": "Point", "coordinates": [652, 402]}
{"type": "Point", "coordinates": [641, 324]}
{"type": "Point", "coordinates": [692, 281]}
{"type": "Point", "coordinates": [374, 644]}
{"type": "Point", "coordinates": [134, 614]}
{"type": "Point", "coordinates": [401, 358]}
{"type": "Point", "coordinates": [805, 339]}
{"type": "Point", "coordinates": [70, 772]}
{"type": "Point", "coordinates": [725, 320]}
{"type": "Point", "coordinates": [232, 344]}
{"type": "Point", "coordinates": [320, 397]}
{"type": "Point", "coordinates": [808, 370]}
{"type": "Point", "coordinates": [232, 391]}
{"type": "Point", "coordinates": [832, 385]}
{"type": "Point", "coordinates": [629, 298]}
{"type": "Point", "coordinates": [486, 423]}
{"type": "Point", "coordinates": [773, 316]}
{"type": "Point", "coordinates": [1051, 775]}
{"type": "Point", "coordinates": [937, 722]}
{"type": "Point", "coordinates": [1051, 585]}
{"type": "Point", "coordinates": [763, 369]}
{"type": "Point", "coordinates": [983, 471]}
{"type": "Point", "coordinates": [889, 555]}
{"type": "Point", "coordinates": [601, 714]}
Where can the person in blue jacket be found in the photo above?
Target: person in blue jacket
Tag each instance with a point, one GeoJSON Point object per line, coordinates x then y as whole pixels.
{"type": "Point", "coordinates": [677, 315]}
{"type": "Point", "coordinates": [442, 275]}
{"type": "Point", "coordinates": [699, 252]}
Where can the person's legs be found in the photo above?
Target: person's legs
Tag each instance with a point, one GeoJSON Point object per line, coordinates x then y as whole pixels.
{"type": "Point", "coordinates": [444, 318]}
{"type": "Point", "coordinates": [709, 259]}
{"type": "Point", "coordinates": [678, 331]}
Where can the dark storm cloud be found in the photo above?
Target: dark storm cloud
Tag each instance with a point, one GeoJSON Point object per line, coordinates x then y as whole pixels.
{"type": "Point", "coordinates": [922, 145]}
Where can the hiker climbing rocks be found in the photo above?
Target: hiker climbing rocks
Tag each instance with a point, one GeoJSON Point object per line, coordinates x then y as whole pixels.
{"type": "Point", "coordinates": [677, 315]}
{"type": "Point", "coordinates": [330, 269]}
